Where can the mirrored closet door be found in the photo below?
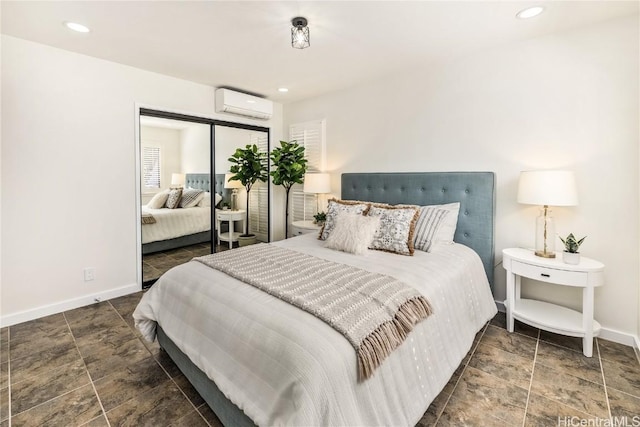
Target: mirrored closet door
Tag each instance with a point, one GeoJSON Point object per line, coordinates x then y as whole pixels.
{"type": "Point", "coordinates": [189, 207]}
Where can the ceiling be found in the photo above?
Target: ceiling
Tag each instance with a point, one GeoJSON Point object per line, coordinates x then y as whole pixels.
{"type": "Point", "coordinates": [246, 44]}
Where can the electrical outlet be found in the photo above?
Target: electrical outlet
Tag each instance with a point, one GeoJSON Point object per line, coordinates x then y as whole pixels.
{"type": "Point", "coordinates": [89, 274]}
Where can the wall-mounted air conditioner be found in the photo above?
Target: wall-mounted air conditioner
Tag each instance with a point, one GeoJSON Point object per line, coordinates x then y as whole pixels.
{"type": "Point", "coordinates": [229, 101]}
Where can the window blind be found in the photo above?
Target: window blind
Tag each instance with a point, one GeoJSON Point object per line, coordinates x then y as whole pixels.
{"type": "Point", "coordinates": [151, 167]}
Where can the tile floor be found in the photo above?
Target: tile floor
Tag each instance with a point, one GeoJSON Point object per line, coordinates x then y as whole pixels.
{"type": "Point", "coordinates": [156, 264]}
{"type": "Point", "coordinates": [89, 367]}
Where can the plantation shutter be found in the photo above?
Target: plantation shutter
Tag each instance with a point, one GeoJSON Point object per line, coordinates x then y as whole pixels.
{"type": "Point", "coordinates": [151, 167]}
{"type": "Point", "coordinates": [311, 136]}
{"type": "Point", "coordinates": [258, 197]}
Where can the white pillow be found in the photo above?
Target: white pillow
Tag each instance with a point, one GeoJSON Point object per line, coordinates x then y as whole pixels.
{"type": "Point", "coordinates": [206, 200]}
{"type": "Point", "coordinates": [449, 223]}
{"type": "Point", "coordinates": [158, 200]}
{"type": "Point", "coordinates": [352, 233]}
{"type": "Point", "coordinates": [427, 227]}
{"type": "Point", "coordinates": [191, 197]}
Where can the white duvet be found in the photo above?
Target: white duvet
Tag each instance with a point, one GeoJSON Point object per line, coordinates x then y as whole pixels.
{"type": "Point", "coordinates": [283, 366]}
{"type": "Point", "coordinates": [172, 223]}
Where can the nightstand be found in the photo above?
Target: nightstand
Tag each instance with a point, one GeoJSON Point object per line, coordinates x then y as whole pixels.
{"type": "Point", "coordinates": [230, 216]}
{"type": "Point", "coordinates": [551, 317]}
{"type": "Point", "coordinates": [304, 227]}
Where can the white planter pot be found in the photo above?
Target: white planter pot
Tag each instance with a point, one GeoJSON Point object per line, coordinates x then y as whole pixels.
{"type": "Point", "coordinates": [571, 258]}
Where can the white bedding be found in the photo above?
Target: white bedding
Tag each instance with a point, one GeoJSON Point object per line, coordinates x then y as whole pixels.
{"type": "Point", "coordinates": [283, 366]}
{"type": "Point", "coordinates": [172, 223]}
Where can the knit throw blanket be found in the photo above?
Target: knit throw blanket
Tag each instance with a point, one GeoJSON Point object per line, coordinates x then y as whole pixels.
{"type": "Point", "coordinates": [148, 218]}
{"type": "Point", "coordinates": [373, 311]}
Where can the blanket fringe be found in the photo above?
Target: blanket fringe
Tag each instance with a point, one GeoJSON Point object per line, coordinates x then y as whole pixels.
{"type": "Point", "coordinates": [389, 335]}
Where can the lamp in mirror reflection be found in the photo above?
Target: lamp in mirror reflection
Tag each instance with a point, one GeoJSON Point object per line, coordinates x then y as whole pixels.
{"type": "Point", "coordinates": [547, 188]}
{"type": "Point", "coordinates": [177, 180]}
{"type": "Point", "coordinates": [233, 185]}
{"type": "Point", "coordinates": [299, 33]}
{"type": "Point", "coordinates": [317, 183]}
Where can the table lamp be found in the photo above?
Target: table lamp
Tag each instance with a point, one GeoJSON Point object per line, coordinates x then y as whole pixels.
{"type": "Point", "coordinates": [233, 185]}
{"type": "Point", "coordinates": [177, 180]}
{"type": "Point", "coordinates": [318, 183]}
{"type": "Point", "coordinates": [546, 188]}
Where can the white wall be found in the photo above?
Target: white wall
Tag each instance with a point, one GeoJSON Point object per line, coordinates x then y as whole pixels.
{"type": "Point", "coordinates": [196, 148]}
{"type": "Point", "coordinates": [68, 173]}
{"type": "Point", "coordinates": [566, 100]}
{"type": "Point", "coordinates": [168, 140]}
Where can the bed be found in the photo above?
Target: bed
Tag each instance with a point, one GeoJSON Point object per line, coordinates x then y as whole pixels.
{"type": "Point", "coordinates": [258, 360]}
{"type": "Point", "coordinates": [175, 228]}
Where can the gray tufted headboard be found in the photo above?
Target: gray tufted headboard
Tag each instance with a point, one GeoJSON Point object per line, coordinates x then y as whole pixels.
{"type": "Point", "coordinates": [474, 190]}
{"type": "Point", "coordinates": [202, 181]}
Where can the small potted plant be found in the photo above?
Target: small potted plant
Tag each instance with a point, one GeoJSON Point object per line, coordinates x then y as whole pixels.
{"type": "Point", "coordinates": [319, 218]}
{"type": "Point", "coordinates": [571, 246]}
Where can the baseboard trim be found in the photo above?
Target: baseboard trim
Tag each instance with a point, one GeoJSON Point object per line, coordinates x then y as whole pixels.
{"type": "Point", "coordinates": [59, 307]}
{"type": "Point", "coordinates": [605, 333]}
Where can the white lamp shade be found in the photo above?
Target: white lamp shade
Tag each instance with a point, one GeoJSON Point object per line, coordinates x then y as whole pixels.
{"type": "Point", "coordinates": [317, 183]}
{"type": "Point", "coordinates": [177, 179]}
{"type": "Point", "coordinates": [231, 184]}
{"type": "Point", "coordinates": [547, 187]}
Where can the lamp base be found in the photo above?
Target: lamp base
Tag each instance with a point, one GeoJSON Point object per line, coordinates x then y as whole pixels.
{"type": "Point", "coordinates": [544, 254]}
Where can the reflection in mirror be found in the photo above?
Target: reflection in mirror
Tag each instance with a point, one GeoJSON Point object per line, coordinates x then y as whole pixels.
{"type": "Point", "coordinates": [176, 193]}
{"type": "Point", "coordinates": [231, 221]}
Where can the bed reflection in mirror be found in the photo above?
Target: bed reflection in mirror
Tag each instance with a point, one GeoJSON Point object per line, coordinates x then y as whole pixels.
{"type": "Point", "coordinates": [176, 193]}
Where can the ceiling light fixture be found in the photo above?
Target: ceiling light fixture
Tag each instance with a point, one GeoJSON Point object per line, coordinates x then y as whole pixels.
{"type": "Point", "coordinates": [530, 12]}
{"type": "Point", "coordinates": [283, 89]}
{"type": "Point", "coordinates": [77, 27]}
{"type": "Point", "coordinates": [299, 33]}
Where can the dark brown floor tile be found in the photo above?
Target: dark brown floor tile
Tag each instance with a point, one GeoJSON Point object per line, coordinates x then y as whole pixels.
{"type": "Point", "coordinates": [502, 364]}
{"type": "Point", "coordinates": [24, 331]}
{"type": "Point", "coordinates": [615, 352]}
{"type": "Point", "coordinates": [580, 394]}
{"type": "Point", "coordinates": [40, 341]}
{"type": "Point", "coordinates": [37, 390]}
{"type": "Point", "coordinates": [105, 363]}
{"type": "Point", "coordinates": [482, 396]}
{"type": "Point", "coordinates": [500, 320]}
{"type": "Point", "coordinates": [95, 318]}
{"type": "Point", "coordinates": [128, 382]}
{"type": "Point", "coordinates": [436, 407]}
{"type": "Point", "coordinates": [105, 340]}
{"type": "Point", "coordinates": [512, 342]}
{"type": "Point", "coordinates": [4, 374]}
{"type": "Point", "coordinates": [209, 416]}
{"type": "Point", "coordinates": [125, 305]}
{"type": "Point", "coordinates": [4, 423]}
{"type": "Point", "coordinates": [100, 421]}
{"type": "Point", "coordinates": [188, 390]}
{"type": "Point", "coordinates": [39, 363]}
{"type": "Point", "coordinates": [623, 404]}
{"type": "Point", "coordinates": [543, 412]}
{"type": "Point", "coordinates": [4, 345]}
{"type": "Point", "coordinates": [162, 405]}
{"type": "Point", "coordinates": [623, 377]}
{"type": "Point", "coordinates": [167, 363]}
{"type": "Point", "coordinates": [4, 404]}
{"type": "Point", "coordinates": [72, 409]}
{"type": "Point", "coordinates": [573, 343]}
{"type": "Point", "coordinates": [569, 361]}
{"type": "Point", "coordinates": [192, 419]}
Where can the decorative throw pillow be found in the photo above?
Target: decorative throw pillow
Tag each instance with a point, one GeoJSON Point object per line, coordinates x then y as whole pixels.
{"type": "Point", "coordinates": [206, 200]}
{"type": "Point", "coordinates": [217, 199]}
{"type": "Point", "coordinates": [338, 206]}
{"type": "Point", "coordinates": [449, 223]}
{"type": "Point", "coordinates": [427, 226]}
{"type": "Point", "coordinates": [191, 197]}
{"type": "Point", "coordinates": [173, 201]}
{"type": "Point", "coordinates": [158, 200]}
{"type": "Point", "coordinates": [352, 233]}
{"type": "Point", "coordinates": [395, 233]}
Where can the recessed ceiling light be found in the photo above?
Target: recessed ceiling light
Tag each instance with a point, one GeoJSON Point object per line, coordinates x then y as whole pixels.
{"type": "Point", "coordinates": [77, 27]}
{"type": "Point", "coordinates": [530, 12]}
{"type": "Point", "coordinates": [283, 89]}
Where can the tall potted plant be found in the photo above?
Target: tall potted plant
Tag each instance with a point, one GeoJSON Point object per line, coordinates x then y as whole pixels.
{"type": "Point", "coordinates": [289, 167]}
{"type": "Point", "coordinates": [248, 166]}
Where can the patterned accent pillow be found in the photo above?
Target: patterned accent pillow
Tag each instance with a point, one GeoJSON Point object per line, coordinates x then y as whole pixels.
{"type": "Point", "coordinates": [191, 197]}
{"type": "Point", "coordinates": [397, 225]}
{"type": "Point", "coordinates": [353, 233]}
{"type": "Point", "coordinates": [173, 201]}
{"type": "Point", "coordinates": [427, 225]}
{"type": "Point", "coordinates": [337, 206]}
